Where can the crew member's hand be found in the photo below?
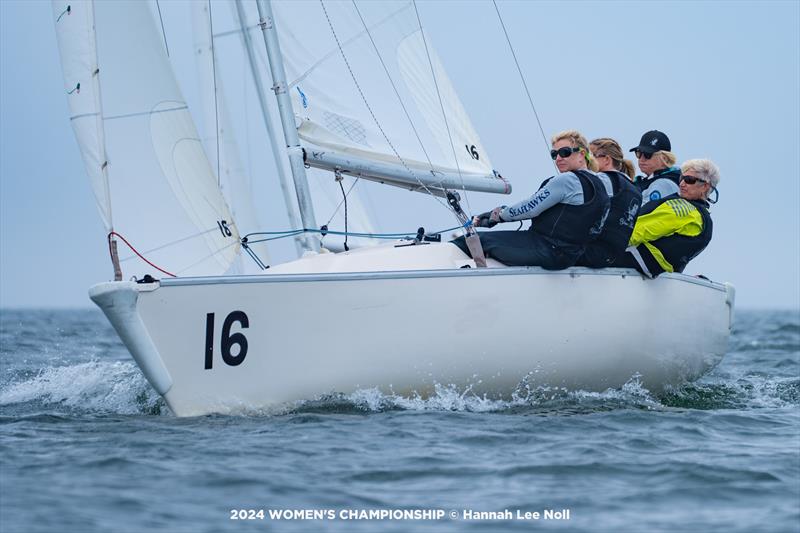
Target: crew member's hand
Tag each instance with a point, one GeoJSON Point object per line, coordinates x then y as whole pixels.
{"type": "Point", "coordinates": [495, 215]}
{"type": "Point", "coordinates": [484, 220]}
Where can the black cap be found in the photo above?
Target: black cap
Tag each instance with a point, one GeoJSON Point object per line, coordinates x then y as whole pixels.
{"type": "Point", "coordinates": [653, 141]}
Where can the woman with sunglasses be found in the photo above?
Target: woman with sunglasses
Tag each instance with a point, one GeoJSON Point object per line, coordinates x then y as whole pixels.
{"type": "Point", "coordinates": [656, 162]}
{"type": "Point", "coordinates": [672, 231]}
{"type": "Point", "coordinates": [625, 202]}
{"type": "Point", "coordinates": [567, 211]}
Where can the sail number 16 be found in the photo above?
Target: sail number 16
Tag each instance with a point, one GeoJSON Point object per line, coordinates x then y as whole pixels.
{"type": "Point", "coordinates": [228, 340]}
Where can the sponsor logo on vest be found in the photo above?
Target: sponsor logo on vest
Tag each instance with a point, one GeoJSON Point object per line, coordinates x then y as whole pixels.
{"type": "Point", "coordinates": [597, 229]}
{"type": "Point", "coordinates": [630, 215]}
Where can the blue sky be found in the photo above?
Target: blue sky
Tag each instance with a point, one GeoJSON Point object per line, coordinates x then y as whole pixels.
{"type": "Point", "coordinates": [721, 78]}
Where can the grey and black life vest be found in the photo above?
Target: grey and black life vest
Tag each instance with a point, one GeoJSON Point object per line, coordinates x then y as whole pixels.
{"type": "Point", "coordinates": [672, 173]}
{"type": "Point", "coordinates": [678, 250]}
{"type": "Point", "coordinates": [576, 224]}
{"type": "Point", "coordinates": [616, 233]}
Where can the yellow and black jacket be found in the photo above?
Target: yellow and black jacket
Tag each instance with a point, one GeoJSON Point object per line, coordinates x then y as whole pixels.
{"type": "Point", "coordinates": [670, 232]}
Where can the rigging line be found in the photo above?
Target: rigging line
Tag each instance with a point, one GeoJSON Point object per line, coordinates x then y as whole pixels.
{"type": "Point", "coordinates": [339, 205]}
{"type": "Point", "coordinates": [396, 92]}
{"type": "Point", "coordinates": [350, 233]}
{"type": "Point", "coordinates": [236, 31]}
{"type": "Point", "coordinates": [216, 104]}
{"type": "Point", "coordinates": [522, 77]}
{"type": "Point", "coordinates": [327, 56]}
{"type": "Point", "coordinates": [65, 12]}
{"type": "Point", "coordinates": [344, 199]}
{"type": "Point", "coordinates": [178, 241]}
{"type": "Point", "coordinates": [441, 104]}
{"type": "Point", "coordinates": [163, 32]}
{"type": "Point", "coordinates": [145, 113]}
{"type": "Point", "coordinates": [294, 234]}
{"type": "Point", "coordinates": [212, 254]}
{"type": "Point", "coordinates": [259, 263]}
{"type": "Point", "coordinates": [369, 108]}
{"type": "Point", "coordinates": [114, 233]}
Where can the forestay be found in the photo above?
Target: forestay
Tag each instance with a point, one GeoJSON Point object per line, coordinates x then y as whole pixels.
{"type": "Point", "coordinates": [157, 182]}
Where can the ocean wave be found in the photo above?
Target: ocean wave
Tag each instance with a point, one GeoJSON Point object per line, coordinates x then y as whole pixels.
{"type": "Point", "coordinates": [751, 392]}
{"type": "Point", "coordinates": [745, 392]}
{"type": "Point", "coordinates": [95, 386]}
{"type": "Point", "coordinates": [119, 388]}
{"type": "Point", "coordinates": [555, 400]}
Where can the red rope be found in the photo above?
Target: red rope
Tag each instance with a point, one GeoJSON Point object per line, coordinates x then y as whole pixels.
{"type": "Point", "coordinates": [114, 233]}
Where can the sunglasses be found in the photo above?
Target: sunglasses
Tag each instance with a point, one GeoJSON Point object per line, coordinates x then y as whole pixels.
{"type": "Point", "coordinates": [691, 180]}
{"type": "Point", "coordinates": [640, 155]}
{"type": "Point", "coordinates": [563, 152]}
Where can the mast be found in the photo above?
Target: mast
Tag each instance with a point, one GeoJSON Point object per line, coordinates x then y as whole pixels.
{"type": "Point", "coordinates": [288, 199]}
{"type": "Point", "coordinates": [293, 148]}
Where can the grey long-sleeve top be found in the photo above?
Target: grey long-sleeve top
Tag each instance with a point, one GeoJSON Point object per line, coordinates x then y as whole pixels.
{"type": "Point", "coordinates": [563, 188]}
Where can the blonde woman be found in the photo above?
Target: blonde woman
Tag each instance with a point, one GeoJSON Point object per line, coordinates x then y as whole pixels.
{"type": "Point", "coordinates": [608, 154]}
{"type": "Point", "coordinates": [656, 162]}
{"type": "Point", "coordinates": [566, 212]}
{"type": "Point", "coordinates": [672, 231]}
{"type": "Point", "coordinates": [625, 202]}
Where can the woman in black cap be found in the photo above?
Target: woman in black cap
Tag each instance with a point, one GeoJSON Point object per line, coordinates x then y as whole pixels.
{"type": "Point", "coordinates": [656, 161]}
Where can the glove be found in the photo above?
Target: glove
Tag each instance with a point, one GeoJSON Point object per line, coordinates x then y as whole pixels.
{"type": "Point", "coordinates": [495, 215]}
{"type": "Point", "coordinates": [488, 219]}
{"type": "Point", "coordinates": [484, 220]}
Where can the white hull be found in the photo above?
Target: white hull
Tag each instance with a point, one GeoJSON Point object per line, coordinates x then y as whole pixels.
{"type": "Point", "coordinates": [405, 330]}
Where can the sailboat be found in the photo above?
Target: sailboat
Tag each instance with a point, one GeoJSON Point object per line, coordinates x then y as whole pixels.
{"type": "Point", "coordinates": [215, 331]}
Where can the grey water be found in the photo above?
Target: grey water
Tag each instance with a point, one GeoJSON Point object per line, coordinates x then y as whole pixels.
{"type": "Point", "coordinates": [86, 445]}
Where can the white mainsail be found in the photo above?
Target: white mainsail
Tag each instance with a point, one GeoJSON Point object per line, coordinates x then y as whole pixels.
{"type": "Point", "coordinates": [158, 182]}
{"type": "Point", "coordinates": [366, 83]}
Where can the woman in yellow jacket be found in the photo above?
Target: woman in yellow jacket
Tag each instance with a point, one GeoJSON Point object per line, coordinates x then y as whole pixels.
{"type": "Point", "coordinates": [672, 231]}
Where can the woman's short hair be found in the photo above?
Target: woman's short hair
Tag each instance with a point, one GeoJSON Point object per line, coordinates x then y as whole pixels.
{"type": "Point", "coordinates": [667, 158]}
{"type": "Point", "coordinates": [705, 169]}
{"type": "Point", "coordinates": [611, 148]}
{"type": "Point", "coordinates": [578, 141]}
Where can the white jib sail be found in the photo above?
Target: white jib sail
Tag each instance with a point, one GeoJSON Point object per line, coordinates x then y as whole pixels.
{"type": "Point", "coordinates": [363, 85]}
{"type": "Point", "coordinates": [219, 138]}
{"type": "Point", "coordinates": [164, 195]}
{"type": "Point", "coordinates": [78, 50]}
